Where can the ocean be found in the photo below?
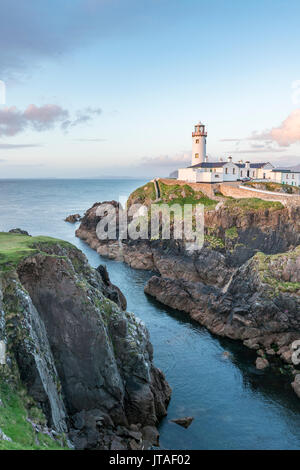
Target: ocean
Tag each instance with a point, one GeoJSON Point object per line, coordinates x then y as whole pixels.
{"type": "Point", "coordinates": [234, 405]}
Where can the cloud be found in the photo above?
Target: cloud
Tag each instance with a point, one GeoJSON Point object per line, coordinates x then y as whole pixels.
{"type": "Point", "coordinates": [167, 160]}
{"type": "Point", "coordinates": [82, 117]}
{"type": "Point", "coordinates": [90, 140]}
{"type": "Point", "coordinates": [18, 146]}
{"type": "Point", "coordinates": [283, 136]}
{"type": "Point", "coordinates": [259, 150]}
{"type": "Point", "coordinates": [41, 118]}
{"type": "Point", "coordinates": [288, 132]}
{"type": "Point", "coordinates": [33, 30]}
{"type": "Point", "coordinates": [14, 121]}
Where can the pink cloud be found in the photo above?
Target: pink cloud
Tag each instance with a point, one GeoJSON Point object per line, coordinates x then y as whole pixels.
{"type": "Point", "coordinates": [284, 135]}
{"type": "Point", "coordinates": [40, 118]}
{"type": "Point", "coordinates": [289, 131]}
{"type": "Point", "coordinates": [44, 117]}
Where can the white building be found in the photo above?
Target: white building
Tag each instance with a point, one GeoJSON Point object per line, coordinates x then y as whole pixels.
{"type": "Point", "coordinates": [284, 176]}
{"type": "Point", "coordinates": [204, 171]}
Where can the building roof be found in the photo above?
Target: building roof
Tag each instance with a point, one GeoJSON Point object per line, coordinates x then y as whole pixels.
{"type": "Point", "coordinates": [209, 165]}
{"type": "Point", "coordinates": [282, 170]}
{"type": "Point", "coordinates": [252, 165]}
{"type": "Point", "coordinates": [221, 164]}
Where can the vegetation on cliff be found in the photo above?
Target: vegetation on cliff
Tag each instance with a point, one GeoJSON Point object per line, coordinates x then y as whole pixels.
{"type": "Point", "coordinates": [76, 363]}
{"type": "Point", "coordinates": [170, 194]}
{"type": "Point", "coordinates": [14, 247]}
{"type": "Point", "coordinates": [273, 187]}
{"type": "Point", "coordinates": [23, 423]}
{"type": "Point", "coordinates": [252, 204]}
{"type": "Point", "coordinates": [280, 271]}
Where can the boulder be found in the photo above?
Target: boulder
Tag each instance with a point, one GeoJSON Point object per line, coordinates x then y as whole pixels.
{"type": "Point", "coordinates": [73, 218]}
{"type": "Point", "coordinates": [296, 385]}
{"type": "Point", "coordinates": [262, 363]}
{"type": "Point", "coordinates": [184, 422]}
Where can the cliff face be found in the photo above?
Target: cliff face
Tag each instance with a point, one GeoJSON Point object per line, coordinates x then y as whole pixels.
{"type": "Point", "coordinates": [234, 233]}
{"type": "Point", "coordinates": [243, 283]}
{"type": "Point", "coordinates": [84, 361]}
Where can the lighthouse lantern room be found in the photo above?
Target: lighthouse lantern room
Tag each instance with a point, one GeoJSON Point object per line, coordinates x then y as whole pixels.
{"type": "Point", "coordinates": [199, 144]}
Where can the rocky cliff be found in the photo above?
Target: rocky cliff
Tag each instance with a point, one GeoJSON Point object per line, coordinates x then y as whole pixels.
{"type": "Point", "coordinates": [243, 283]}
{"type": "Point", "coordinates": [78, 363]}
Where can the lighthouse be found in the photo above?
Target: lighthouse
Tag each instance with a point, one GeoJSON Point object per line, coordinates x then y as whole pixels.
{"type": "Point", "coordinates": [199, 144]}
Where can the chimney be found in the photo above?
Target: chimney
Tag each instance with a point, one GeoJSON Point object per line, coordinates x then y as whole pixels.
{"type": "Point", "coordinates": [229, 159]}
{"type": "Point", "coordinates": [206, 158]}
{"type": "Point", "coordinates": [247, 165]}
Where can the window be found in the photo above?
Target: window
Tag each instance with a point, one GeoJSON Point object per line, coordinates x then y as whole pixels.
{"type": "Point", "coordinates": [197, 141]}
{"type": "Point", "coordinates": [233, 171]}
{"type": "Point", "coordinates": [226, 171]}
{"type": "Point", "coordinates": [287, 177]}
{"type": "Point", "coordinates": [196, 155]}
{"type": "Point", "coordinates": [253, 173]}
{"type": "Point", "coordinates": [241, 173]}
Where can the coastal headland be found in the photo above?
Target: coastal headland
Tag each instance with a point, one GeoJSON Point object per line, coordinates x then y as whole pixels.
{"type": "Point", "coordinates": [244, 283]}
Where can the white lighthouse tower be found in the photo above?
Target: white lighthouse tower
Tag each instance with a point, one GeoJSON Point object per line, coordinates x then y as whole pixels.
{"type": "Point", "coordinates": [199, 144]}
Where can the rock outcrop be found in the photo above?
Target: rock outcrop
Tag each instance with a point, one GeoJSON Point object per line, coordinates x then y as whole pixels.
{"type": "Point", "coordinates": [242, 284]}
{"type": "Point", "coordinates": [85, 362]}
{"type": "Point", "coordinates": [73, 218]}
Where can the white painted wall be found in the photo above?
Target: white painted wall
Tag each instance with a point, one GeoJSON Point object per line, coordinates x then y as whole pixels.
{"type": "Point", "coordinates": [209, 177]}
{"type": "Point", "coordinates": [291, 178]}
{"type": "Point", "coordinates": [230, 172]}
{"type": "Point", "coordinates": [187, 174]}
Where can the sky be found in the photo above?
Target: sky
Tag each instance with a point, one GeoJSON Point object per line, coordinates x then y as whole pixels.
{"type": "Point", "coordinates": [99, 88]}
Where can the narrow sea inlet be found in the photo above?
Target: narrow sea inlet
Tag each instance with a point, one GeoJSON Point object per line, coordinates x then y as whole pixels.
{"type": "Point", "coordinates": [234, 405]}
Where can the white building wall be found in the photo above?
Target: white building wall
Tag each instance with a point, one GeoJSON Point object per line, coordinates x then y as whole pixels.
{"type": "Point", "coordinates": [230, 172]}
{"type": "Point", "coordinates": [209, 176]}
{"type": "Point", "coordinates": [187, 174]}
{"type": "Point", "coordinates": [291, 178]}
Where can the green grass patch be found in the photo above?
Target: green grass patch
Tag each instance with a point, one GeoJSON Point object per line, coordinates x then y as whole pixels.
{"type": "Point", "coordinates": [274, 187]}
{"type": "Point", "coordinates": [143, 195]}
{"type": "Point", "coordinates": [170, 194]}
{"type": "Point", "coordinates": [14, 424]}
{"type": "Point", "coordinates": [254, 203]}
{"type": "Point", "coordinates": [231, 233]}
{"type": "Point", "coordinates": [214, 242]}
{"type": "Point", "coordinates": [270, 268]}
{"type": "Point", "coordinates": [15, 247]}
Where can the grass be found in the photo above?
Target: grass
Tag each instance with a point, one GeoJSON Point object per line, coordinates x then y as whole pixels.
{"type": "Point", "coordinates": [13, 422]}
{"type": "Point", "coordinates": [15, 247]}
{"type": "Point", "coordinates": [143, 195]}
{"type": "Point", "coordinates": [253, 204]}
{"type": "Point", "coordinates": [274, 187]}
{"type": "Point", "coordinates": [269, 265]}
{"type": "Point", "coordinates": [214, 242]}
{"type": "Point", "coordinates": [171, 194]}
{"type": "Point", "coordinates": [231, 233]}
